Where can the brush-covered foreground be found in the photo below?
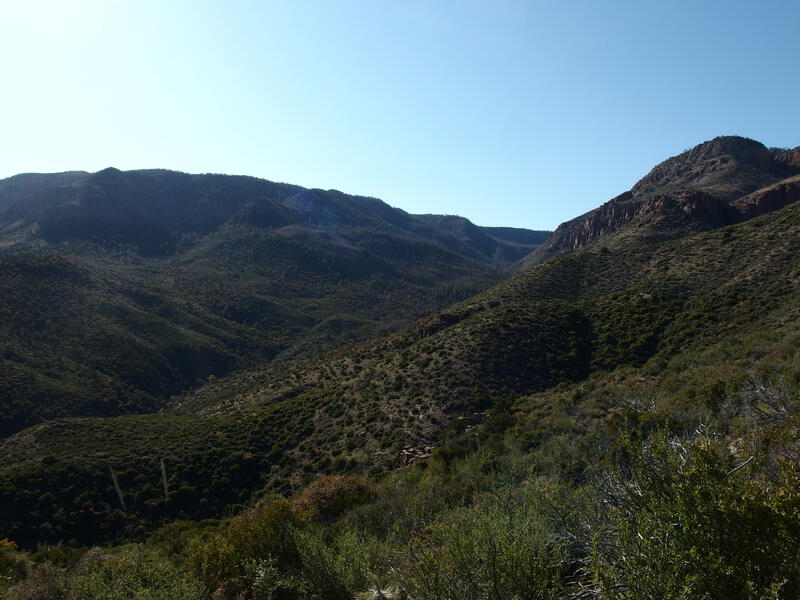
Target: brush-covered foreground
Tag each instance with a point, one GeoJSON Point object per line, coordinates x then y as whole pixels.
{"type": "Point", "coordinates": [668, 505]}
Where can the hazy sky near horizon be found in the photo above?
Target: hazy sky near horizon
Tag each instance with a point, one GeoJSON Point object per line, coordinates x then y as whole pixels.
{"type": "Point", "coordinates": [507, 112]}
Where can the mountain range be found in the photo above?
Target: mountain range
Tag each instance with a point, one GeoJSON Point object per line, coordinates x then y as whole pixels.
{"type": "Point", "coordinates": [124, 288]}
{"type": "Point", "coordinates": [246, 337]}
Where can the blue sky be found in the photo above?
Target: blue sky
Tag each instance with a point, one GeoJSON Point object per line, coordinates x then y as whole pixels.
{"type": "Point", "coordinates": [507, 112]}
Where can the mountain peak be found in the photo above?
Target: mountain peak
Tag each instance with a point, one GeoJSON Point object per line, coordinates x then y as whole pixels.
{"type": "Point", "coordinates": [712, 184]}
{"type": "Point", "coordinates": [108, 172]}
{"type": "Point", "coordinates": [735, 145]}
{"type": "Point", "coordinates": [726, 167]}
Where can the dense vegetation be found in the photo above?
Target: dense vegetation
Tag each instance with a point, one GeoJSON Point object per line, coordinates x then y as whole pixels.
{"type": "Point", "coordinates": [128, 288]}
{"type": "Point", "coordinates": [678, 505]}
{"type": "Point", "coordinates": [619, 421]}
{"type": "Point", "coordinates": [663, 316]}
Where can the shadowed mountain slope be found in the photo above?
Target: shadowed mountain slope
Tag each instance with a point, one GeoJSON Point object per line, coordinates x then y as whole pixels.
{"type": "Point", "coordinates": [124, 288]}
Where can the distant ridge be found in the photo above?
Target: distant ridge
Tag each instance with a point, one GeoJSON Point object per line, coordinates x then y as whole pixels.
{"type": "Point", "coordinates": [150, 208]}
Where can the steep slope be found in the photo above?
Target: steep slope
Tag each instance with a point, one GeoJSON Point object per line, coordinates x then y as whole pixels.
{"type": "Point", "coordinates": [124, 288]}
{"type": "Point", "coordinates": [694, 191]}
{"type": "Point", "coordinates": [712, 298]}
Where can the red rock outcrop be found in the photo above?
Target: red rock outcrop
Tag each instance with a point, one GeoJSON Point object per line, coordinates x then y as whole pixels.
{"type": "Point", "coordinates": [606, 219]}
{"type": "Point", "coordinates": [790, 158]}
{"type": "Point", "coordinates": [772, 198]}
{"type": "Point", "coordinates": [719, 182]}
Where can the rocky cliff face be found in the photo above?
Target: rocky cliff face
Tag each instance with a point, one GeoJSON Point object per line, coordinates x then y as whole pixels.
{"type": "Point", "coordinates": [790, 158]}
{"type": "Point", "coordinates": [717, 183]}
{"type": "Point", "coordinates": [771, 198]}
{"type": "Point", "coordinates": [657, 217]}
{"type": "Point", "coordinates": [689, 206]}
{"type": "Point", "coordinates": [585, 229]}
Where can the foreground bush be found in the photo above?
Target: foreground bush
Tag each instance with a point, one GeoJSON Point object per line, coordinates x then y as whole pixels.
{"type": "Point", "coordinates": [693, 521]}
{"type": "Point", "coordinates": [231, 559]}
{"type": "Point", "coordinates": [136, 573]}
{"type": "Point", "coordinates": [13, 565]}
{"type": "Point", "coordinates": [504, 547]}
{"type": "Point", "coordinates": [329, 496]}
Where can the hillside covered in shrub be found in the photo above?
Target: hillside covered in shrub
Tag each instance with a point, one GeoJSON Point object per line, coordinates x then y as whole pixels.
{"type": "Point", "coordinates": [616, 421]}
{"type": "Point", "coordinates": [122, 289]}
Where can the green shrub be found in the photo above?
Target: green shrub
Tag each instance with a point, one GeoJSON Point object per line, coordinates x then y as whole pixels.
{"type": "Point", "coordinates": [337, 569]}
{"type": "Point", "coordinates": [329, 496]}
{"type": "Point", "coordinates": [14, 565]}
{"type": "Point", "coordinates": [132, 573]}
{"type": "Point", "coordinates": [685, 521]}
{"type": "Point", "coordinates": [502, 548]}
{"type": "Point", "coordinates": [227, 560]}
{"type": "Point", "coordinates": [45, 582]}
